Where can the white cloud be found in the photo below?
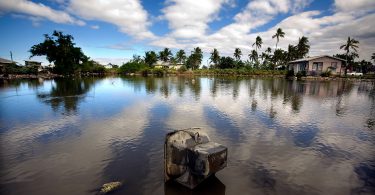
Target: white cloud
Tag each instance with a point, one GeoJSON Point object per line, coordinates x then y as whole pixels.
{"type": "Point", "coordinates": [325, 32]}
{"type": "Point", "coordinates": [255, 14]}
{"type": "Point", "coordinates": [355, 6]}
{"type": "Point", "coordinates": [128, 15]}
{"type": "Point", "coordinates": [190, 18]}
{"type": "Point", "coordinates": [95, 27]}
{"type": "Point", "coordinates": [117, 61]}
{"type": "Point", "coordinates": [38, 10]}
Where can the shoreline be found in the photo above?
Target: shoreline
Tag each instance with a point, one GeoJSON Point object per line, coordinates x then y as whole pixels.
{"type": "Point", "coordinates": [308, 78]}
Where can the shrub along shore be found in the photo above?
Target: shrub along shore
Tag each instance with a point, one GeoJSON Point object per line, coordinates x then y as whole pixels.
{"type": "Point", "coordinates": [159, 72]}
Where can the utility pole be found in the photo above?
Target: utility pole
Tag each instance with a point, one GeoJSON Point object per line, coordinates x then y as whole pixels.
{"type": "Point", "coordinates": [11, 56]}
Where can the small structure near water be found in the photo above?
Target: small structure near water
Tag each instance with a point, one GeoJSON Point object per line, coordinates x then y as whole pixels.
{"type": "Point", "coordinates": [190, 157]}
{"type": "Point", "coordinates": [318, 64]}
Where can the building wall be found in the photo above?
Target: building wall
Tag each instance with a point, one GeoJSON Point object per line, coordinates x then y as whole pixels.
{"type": "Point", "coordinates": [327, 62]}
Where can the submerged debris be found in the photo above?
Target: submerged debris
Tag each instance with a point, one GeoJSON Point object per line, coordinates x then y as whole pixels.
{"type": "Point", "coordinates": [110, 187]}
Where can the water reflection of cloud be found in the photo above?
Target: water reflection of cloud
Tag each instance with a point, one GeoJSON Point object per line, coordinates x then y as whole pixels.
{"type": "Point", "coordinates": [279, 146]}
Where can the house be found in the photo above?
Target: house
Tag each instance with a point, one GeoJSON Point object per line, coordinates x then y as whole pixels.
{"type": "Point", "coordinates": [4, 63]}
{"type": "Point", "coordinates": [35, 64]}
{"type": "Point", "coordinates": [317, 65]}
{"type": "Point", "coordinates": [167, 65]}
{"type": "Point", "coordinates": [110, 65]}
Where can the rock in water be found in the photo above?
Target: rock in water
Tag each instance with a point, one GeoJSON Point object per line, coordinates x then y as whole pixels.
{"type": "Point", "coordinates": [110, 187]}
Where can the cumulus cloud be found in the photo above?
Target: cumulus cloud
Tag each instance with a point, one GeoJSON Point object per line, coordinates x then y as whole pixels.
{"type": "Point", "coordinates": [355, 6]}
{"type": "Point", "coordinates": [128, 15]}
{"type": "Point", "coordinates": [236, 34]}
{"type": "Point", "coordinates": [190, 18]}
{"type": "Point", "coordinates": [325, 32]}
{"type": "Point", "coordinates": [38, 11]}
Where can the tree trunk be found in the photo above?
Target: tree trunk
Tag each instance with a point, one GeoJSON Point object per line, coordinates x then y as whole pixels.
{"type": "Point", "coordinates": [346, 65]}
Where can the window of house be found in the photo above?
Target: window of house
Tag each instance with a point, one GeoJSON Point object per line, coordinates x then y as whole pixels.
{"type": "Point", "coordinates": [320, 66]}
{"type": "Point", "coordinates": [334, 65]}
{"type": "Point", "coordinates": [317, 66]}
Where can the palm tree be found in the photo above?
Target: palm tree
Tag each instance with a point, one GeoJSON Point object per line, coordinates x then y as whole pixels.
{"type": "Point", "coordinates": [279, 33]}
{"type": "Point", "coordinates": [258, 43]}
{"type": "Point", "coordinates": [268, 50]}
{"type": "Point", "coordinates": [303, 47]}
{"type": "Point", "coordinates": [237, 54]}
{"type": "Point", "coordinates": [253, 56]}
{"type": "Point", "coordinates": [215, 57]}
{"type": "Point", "coordinates": [350, 44]}
{"type": "Point", "coordinates": [150, 58]}
{"type": "Point", "coordinates": [165, 55]}
{"type": "Point", "coordinates": [181, 56]}
{"type": "Point", "coordinates": [196, 57]}
{"type": "Point", "coordinates": [292, 52]}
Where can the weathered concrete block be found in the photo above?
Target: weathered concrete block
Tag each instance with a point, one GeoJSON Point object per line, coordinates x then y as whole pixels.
{"type": "Point", "coordinates": [190, 157]}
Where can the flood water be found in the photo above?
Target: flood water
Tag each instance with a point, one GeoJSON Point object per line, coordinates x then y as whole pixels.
{"type": "Point", "coordinates": [70, 136]}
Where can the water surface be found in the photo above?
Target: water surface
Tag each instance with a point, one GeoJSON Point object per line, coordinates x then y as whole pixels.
{"type": "Point", "coordinates": [69, 136]}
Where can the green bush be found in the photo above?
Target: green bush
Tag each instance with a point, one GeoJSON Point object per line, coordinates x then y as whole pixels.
{"type": "Point", "coordinates": [182, 69]}
{"type": "Point", "coordinates": [290, 73]}
{"type": "Point", "coordinates": [91, 67]}
{"type": "Point", "coordinates": [326, 73]}
{"type": "Point", "coordinates": [132, 67]}
{"type": "Point", "coordinates": [158, 72]}
{"type": "Point", "coordinates": [299, 75]}
{"type": "Point", "coordinates": [15, 69]}
{"type": "Point", "coordinates": [145, 71]}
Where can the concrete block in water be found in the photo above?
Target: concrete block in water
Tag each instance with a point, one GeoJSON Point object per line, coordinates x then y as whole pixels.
{"type": "Point", "coordinates": [190, 157]}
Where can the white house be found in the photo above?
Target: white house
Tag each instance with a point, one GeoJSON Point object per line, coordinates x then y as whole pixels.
{"type": "Point", "coordinates": [318, 64]}
{"type": "Point", "coordinates": [167, 65]}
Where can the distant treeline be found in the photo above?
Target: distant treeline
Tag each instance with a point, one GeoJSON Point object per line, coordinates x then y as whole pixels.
{"type": "Point", "coordinates": [69, 59]}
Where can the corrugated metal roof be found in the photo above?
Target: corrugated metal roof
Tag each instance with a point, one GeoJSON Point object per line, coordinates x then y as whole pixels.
{"type": "Point", "coordinates": [5, 61]}
{"type": "Point", "coordinates": [314, 58]}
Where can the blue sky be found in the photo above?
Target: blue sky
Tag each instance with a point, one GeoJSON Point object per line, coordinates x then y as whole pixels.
{"type": "Point", "coordinates": [112, 31]}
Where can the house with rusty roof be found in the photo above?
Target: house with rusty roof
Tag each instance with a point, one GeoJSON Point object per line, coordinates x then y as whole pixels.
{"type": "Point", "coordinates": [4, 63]}
{"type": "Point", "coordinates": [35, 64]}
{"type": "Point", "coordinates": [317, 65]}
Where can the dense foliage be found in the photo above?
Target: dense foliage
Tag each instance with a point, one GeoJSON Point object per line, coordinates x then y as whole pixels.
{"type": "Point", "coordinates": [132, 67]}
{"type": "Point", "coordinates": [91, 66]}
{"type": "Point", "coordinates": [60, 50]}
{"type": "Point", "coordinates": [15, 69]}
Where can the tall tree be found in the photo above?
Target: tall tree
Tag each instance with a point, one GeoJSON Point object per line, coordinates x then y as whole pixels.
{"type": "Point", "coordinates": [253, 56]}
{"type": "Point", "coordinates": [181, 56]}
{"type": "Point", "coordinates": [292, 53]}
{"type": "Point", "coordinates": [373, 57]}
{"type": "Point", "coordinates": [215, 57]}
{"type": "Point", "coordinates": [258, 43]}
{"type": "Point", "coordinates": [226, 62]}
{"type": "Point", "coordinates": [268, 50]}
{"type": "Point", "coordinates": [137, 59]}
{"type": "Point", "coordinates": [237, 54]}
{"type": "Point", "coordinates": [279, 33]}
{"type": "Point", "coordinates": [350, 44]}
{"type": "Point", "coordinates": [60, 50]}
{"type": "Point", "coordinates": [195, 59]}
{"type": "Point", "coordinates": [151, 58]}
{"type": "Point", "coordinates": [279, 57]}
{"type": "Point", "coordinates": [165, 55]}
{"type": "Point", "coordinates": [303, 47]}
